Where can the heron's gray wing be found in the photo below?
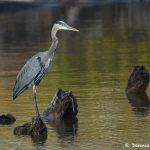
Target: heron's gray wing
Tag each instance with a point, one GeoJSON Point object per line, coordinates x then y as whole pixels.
{"type": "Point", "coordinates": [29, 73]}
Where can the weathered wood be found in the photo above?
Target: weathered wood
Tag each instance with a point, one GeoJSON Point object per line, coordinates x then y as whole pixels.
{"type": "Point", "coordinates": [7, 119]}
{"type": "Point", "coordinates": [63, 105]}
{"type": "Point", "coordinates": [138, 80]}
{"type": "Point", "coordinates": [36, 129]}
{"type": "Point", "coordinates": [23, 129]}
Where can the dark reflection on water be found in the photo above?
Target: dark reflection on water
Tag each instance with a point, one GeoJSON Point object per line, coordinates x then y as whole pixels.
{"type": "Point", "coordinates": [140, 102]}
{"type": "Point", "coordinates": [65, 128]}
{"type": "Point", "coordinates": [94, 64]}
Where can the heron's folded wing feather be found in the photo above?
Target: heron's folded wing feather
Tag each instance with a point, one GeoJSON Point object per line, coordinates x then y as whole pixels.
{"type": "Point", "coordinates": [26, 76]}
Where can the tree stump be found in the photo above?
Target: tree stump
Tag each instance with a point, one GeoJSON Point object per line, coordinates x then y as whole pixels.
{"type": "Point", "coordinates": [63, 105]}
{"type": "Point", "coordinates": [7, 119]}
{"type": "Point", "coordinates": [36, 129]}
{"type": "Point", "coordinates": [138, 80]}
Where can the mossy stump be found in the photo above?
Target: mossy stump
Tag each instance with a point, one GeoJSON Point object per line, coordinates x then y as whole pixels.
{"type": "Point", "coordinates": [36, 129]}
{"type": "Point", "coordinates": [63, 105]}
{"type": "Point", "coordinates": [7, 119]}
{"type": "Point", "coordinates": [138, 80]}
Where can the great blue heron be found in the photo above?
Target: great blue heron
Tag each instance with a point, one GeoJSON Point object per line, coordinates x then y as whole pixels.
{"type": "Point", "coordinates": [36, 67]}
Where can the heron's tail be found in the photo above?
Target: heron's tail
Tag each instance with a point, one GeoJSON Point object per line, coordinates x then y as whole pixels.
{"type": "Point", "coordinates": [18, 91]}
{"type": "Point", "coordinates": [15, 93]}
{"type": "Point", "coordinates": [14, 96]}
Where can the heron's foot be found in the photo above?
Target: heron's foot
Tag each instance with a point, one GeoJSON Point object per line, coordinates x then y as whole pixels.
{"type": "Point", "coordinates": [36, 120]}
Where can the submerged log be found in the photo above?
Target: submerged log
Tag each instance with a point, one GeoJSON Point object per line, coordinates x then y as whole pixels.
{"type": "Point", "coordinates": [138, 80]}
{"type": "Point", "coordinates": [7, 119]}
{"type": "Point", "coordinates": [36, 129]}
{"type": "Point", "coordinates": [63, 105]}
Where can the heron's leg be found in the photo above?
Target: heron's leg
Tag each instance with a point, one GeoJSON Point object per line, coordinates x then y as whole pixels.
{"type": "Point", "coordinates": [35, 102]}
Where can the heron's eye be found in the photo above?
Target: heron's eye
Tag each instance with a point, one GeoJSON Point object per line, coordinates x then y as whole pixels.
{"type": "Point", "coordinates": [38, 58]}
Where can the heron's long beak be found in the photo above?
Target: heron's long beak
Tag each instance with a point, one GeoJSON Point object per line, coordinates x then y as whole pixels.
{"type": "Point", "coordinates": [72, 29]}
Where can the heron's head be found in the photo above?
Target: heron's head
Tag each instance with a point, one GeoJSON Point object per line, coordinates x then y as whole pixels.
{"type": "Point", "coordinates": [61, 25]}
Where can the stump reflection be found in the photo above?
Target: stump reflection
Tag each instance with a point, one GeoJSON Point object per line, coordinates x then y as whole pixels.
{"type": "Point", "coordinates": [139, 101]}
{"type": "Point", "coordinates": [65, 127]}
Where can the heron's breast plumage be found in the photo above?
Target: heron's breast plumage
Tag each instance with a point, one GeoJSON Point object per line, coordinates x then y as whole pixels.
{"type": "Point", "coordinates": [47, 63]}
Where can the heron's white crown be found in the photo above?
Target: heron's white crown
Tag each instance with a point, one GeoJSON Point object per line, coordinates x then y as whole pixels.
{"type": "Point", "coordinates": [61, 25]}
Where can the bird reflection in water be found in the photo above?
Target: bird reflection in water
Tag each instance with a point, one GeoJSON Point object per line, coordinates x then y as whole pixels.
{"type": "Point", "coordinates": [139, 101]}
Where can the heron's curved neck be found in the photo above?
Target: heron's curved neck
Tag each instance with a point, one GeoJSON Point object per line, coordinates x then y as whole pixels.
{"type": "Point", "coordinates": [54, 42]}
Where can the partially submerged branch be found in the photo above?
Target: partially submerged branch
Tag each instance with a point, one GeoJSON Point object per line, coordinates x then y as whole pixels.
{"type": "Point", "coordinates": [7, 119]}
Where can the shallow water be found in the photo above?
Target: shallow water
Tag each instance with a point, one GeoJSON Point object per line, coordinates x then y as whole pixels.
{"type": "Point", "coordinates": [95, 64]}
